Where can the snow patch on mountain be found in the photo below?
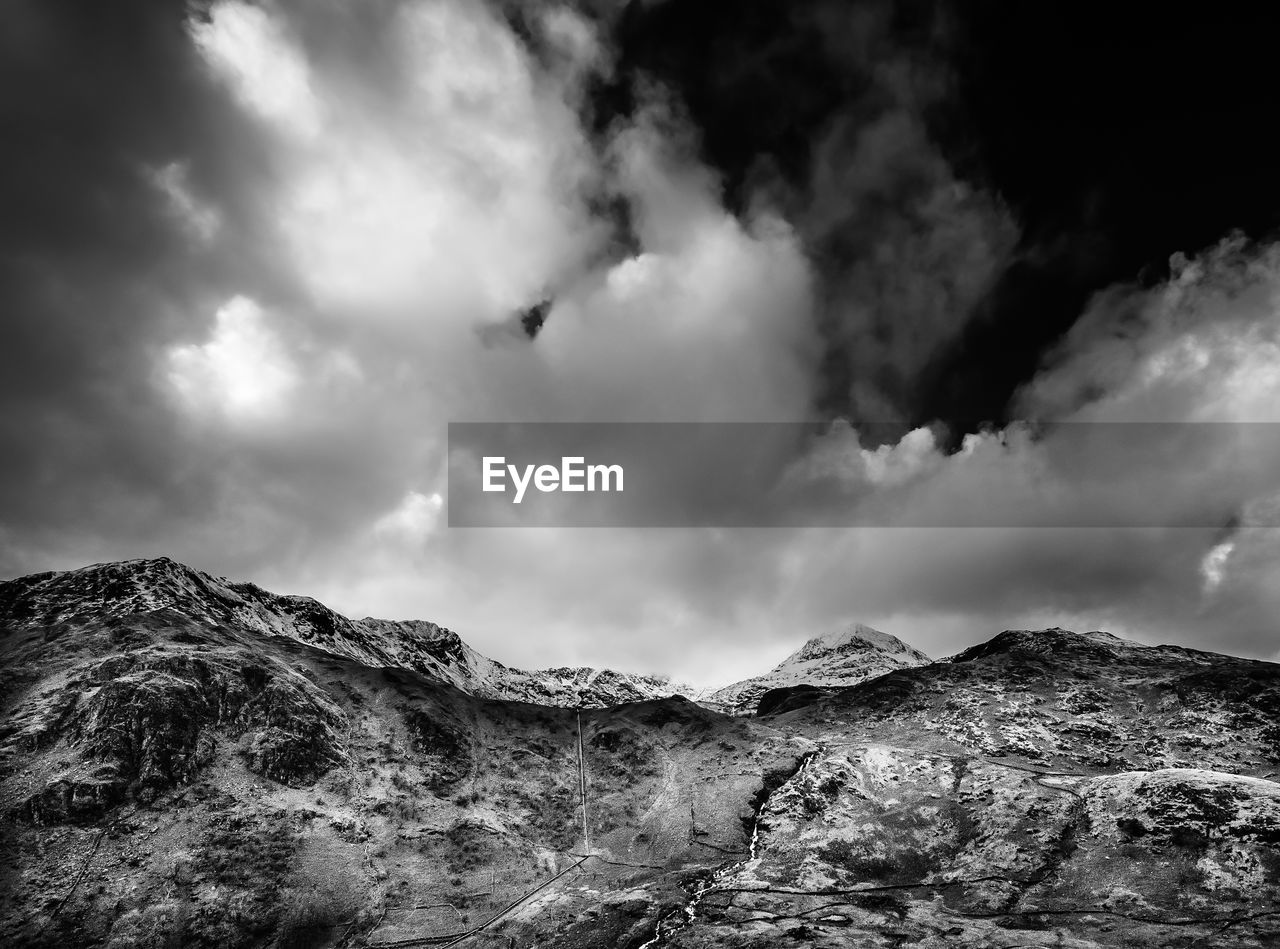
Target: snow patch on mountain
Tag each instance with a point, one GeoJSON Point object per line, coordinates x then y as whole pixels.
{"type": "Point", "coordinates": [841, 658]}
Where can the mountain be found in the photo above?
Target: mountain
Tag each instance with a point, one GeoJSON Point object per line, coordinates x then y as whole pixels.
{"type": "Point", "coordinates": [190, 762]}
{"type": "Point", "coordinates": [180, 766]}
{"type": "Point", "coordinates": [838, 659]}
{"type": "Point", "coordinates": [137, 587]}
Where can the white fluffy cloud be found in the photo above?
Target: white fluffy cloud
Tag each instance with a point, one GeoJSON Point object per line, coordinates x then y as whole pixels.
{"type": "Point", "coordinates": [1203, 348]}
{"type": "Point", "coordinates": [1214, 565]}
{"type": "Point", "coordinates": [252, 50]}
{"type": "Point", "coordinates": [449, 190]}
{"type": "Point", "coordinates": [412, 521]}
{"type": "Point", "coordinates": [242, 372]}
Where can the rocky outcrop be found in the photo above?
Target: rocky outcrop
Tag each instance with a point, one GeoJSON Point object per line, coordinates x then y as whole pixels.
{"type": "Point", "coordinates": [131, 726]}
{"type": "Point", "coordinates": [789, 698]}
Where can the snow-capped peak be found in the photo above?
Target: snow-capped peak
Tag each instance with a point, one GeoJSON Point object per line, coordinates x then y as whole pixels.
{"type": "Point", "coordinates": [841, 658]}
{"type": "Point", "coordinates": [856, 637]}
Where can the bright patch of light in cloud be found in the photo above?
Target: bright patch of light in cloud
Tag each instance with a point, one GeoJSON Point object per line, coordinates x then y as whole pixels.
{"type": "Point", "coordinates": [1205, 347]}
{"type": "Point", "coordinates": [242, 371]}
{"type": "Point", "coordinates": [454, 191]}
{"type": "Point", "coordinates": [250, 50]}
{"type": "Point", "coordinates": [1214, 566]}
{"type": "Point", "coordinates": [413, 520]}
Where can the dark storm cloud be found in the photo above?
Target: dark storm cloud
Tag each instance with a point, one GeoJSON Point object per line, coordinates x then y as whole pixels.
{"type": "Point", "coordinates": [1119, 135]}
{"type": "Point", "coordinates": [1111, 136]}
{"type": "Point", "coordinates": [125, 154]}
{"type": "Point", "coordinates": [86, 250]}
{"type": "Point", "coordinates": [826, 112]}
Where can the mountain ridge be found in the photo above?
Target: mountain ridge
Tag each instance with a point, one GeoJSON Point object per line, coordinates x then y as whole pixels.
{"type": "Point", "coordinates": [842, 657]}
{"type": "Point", "coordinates": [145, 585]}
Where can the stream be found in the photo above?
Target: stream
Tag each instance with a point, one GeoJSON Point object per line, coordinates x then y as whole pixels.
{"type": "Point", "coordinates": [674, 922]}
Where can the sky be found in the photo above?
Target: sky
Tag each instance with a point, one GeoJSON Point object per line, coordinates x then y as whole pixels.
{"type": "Point", "coordinates": [254, 258]}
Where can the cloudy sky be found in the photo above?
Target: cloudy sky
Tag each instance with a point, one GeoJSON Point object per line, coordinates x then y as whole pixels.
{"type": "Point", "coordinates": [254, 257]}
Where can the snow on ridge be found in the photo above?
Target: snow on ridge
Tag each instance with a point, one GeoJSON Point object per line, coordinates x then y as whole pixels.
{"type": "Point", "coordinates": [131, 587]}
{"type": "Point", "coordinates": [858, 635]}
{"type": "Point", "coordinates": [146, 585]}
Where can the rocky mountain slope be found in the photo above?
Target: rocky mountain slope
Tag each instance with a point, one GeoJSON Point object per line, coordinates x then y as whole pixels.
{"type": "Point", "coordinates": [137, 587]}
{"type": "Point", "coordinates": [180, 766]}
{"type": "Point", "coordinates": [1044, 788]}
{"type": "Point", "coordinates": [168, 779]}
{"type": "Point", "coordinates": [838, 659]}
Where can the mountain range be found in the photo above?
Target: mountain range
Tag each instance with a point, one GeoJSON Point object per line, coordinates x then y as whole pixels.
{"type": "Point", "coordinates": [147, 586]}
{"type": "Point", "coordinates": [185, 760]}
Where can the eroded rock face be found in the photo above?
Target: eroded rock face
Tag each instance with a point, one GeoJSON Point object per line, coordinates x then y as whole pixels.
{"type": "Point", "coordinates": [789, 698]}
{"type": "Point", "coordinates": [131, 726]}
{"type": "Point", "coordinates": [290, 731]}
{"type": "Point", "coordinates": [445, 750]}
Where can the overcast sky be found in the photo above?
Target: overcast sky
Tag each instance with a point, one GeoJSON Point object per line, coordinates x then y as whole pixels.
{"type": "Point", "coordinates": [255, 256]}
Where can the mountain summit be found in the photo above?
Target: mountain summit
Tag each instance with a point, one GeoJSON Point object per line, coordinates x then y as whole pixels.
{"type": "Point", "coordinates": [841, 658]}
{"type": "Point", "coordinates": [858, 639]}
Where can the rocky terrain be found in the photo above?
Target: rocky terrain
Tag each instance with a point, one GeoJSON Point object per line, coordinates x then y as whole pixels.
{"type": "Point", "coordinates": [1043, 788]}
{"type": "Point", "coordinates": [190, 762]}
